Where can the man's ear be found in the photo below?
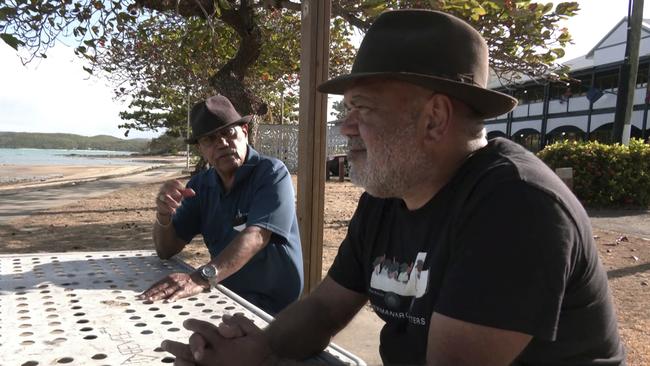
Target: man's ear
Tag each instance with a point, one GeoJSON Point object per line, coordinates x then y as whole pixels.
{"type": "Point", "coordinates": [438, 114]}
{"type": "Point", "coordinates": [244, 128]}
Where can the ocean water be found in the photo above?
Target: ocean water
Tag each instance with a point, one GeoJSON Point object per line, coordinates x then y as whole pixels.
{"type": "Point", "coordinates": [65, 157]}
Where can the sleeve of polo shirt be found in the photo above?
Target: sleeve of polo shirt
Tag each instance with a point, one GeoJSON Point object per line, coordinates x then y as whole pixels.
{"type": "Point", "coordinates": [511, 262]}
{"type": "Point", "coordinates": [273, 207]}
{"type": "Point", "coordinates": [187, 218]}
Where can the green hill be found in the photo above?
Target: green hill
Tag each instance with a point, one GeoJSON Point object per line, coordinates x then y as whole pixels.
{"type": "Point", "coordinates": [14, 140]}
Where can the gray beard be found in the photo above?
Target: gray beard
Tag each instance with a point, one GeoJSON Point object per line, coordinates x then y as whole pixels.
{"type": "Point", "coordinates": [382, 184]}
{"type": "Point", "coordinates": [395, 167]}
{"type": "Point", "coordinates": [394, 174]}
{"type": "Point", "coordinates": [374, 182]}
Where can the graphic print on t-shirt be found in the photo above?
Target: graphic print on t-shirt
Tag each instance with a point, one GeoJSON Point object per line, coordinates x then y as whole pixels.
{"type": "Point", "coordinates": [404, 279]}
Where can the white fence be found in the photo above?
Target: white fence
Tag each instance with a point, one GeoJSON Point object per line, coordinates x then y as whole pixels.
{"type": "Point", "coordinates": [281, 141]}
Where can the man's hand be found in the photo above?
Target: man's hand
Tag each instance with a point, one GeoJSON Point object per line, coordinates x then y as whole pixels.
{"type": "Point", "coordinates": [236, 341]}
{"type": "Point", "coordinates": [175, 286]}
{"type": "Point", "coordinates": [164, 234]}
{"type": "Point", "coordinates": [170, 196]}
{"type": "Point", "coordinates": [236, 326]}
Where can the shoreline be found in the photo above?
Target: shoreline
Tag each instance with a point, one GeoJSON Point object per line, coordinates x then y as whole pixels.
{"type": "Point", "coordinates": [17, 173]}
{"type": "Point", "coordinates": [18, 176]}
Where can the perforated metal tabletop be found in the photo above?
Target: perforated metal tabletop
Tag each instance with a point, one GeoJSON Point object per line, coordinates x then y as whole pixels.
{"type": "Point", "coordinates": [80, 309]}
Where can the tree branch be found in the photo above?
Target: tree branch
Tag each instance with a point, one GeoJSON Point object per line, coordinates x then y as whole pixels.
{"type": "Point", "coordinates": [340, 11]}
{"type": "Point", "coordinates": [184, 8]}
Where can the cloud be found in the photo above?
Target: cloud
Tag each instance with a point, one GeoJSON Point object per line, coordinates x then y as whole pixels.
{"type": "Point", "coordinates": [56, 95]}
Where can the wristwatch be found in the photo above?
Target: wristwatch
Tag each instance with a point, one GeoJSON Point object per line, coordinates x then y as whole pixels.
{"type": "Point", "coordinates": [209, 273]}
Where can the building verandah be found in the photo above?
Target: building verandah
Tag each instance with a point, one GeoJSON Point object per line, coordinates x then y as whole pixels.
{"type": "Point", "coordinates": [583, 107]}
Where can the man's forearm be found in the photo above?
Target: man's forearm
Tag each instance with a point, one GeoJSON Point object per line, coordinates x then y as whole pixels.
{"type": "Point", "coordinates": [300, 331]}
{"type": "Point", "coordinates": [241, 250]}
{"type": "Point", "coordinates": [306, 327]}
{"type": "Point", "coordinates": [164, 237]}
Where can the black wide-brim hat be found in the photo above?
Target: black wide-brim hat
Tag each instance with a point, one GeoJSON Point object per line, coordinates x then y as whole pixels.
{"type": "Point", "coordinates": [431, 49]}
{"type": "Point", "coordinates": [212, 115]}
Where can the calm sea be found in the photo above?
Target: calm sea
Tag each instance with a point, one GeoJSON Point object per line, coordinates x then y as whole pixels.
{"type": "Point", "coordinates": [65, 157]}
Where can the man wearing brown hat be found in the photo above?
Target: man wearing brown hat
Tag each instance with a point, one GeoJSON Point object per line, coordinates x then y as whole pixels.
{"type": "Point", "coordinates": [472, 252]}
{"type": "Point", "coordinates": [243, 206]}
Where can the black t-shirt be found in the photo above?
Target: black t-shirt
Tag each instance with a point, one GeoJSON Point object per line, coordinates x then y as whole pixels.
{"type": "Point", "coordinates": [504, 244]}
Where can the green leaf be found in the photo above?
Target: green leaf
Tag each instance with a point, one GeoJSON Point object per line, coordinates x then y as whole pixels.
{"type": "Point", "coordinates": [88, 70]}
{"type": "Point", "coordinates": [373, 8]}
{"type": "Point", "coordinates": [559, 52]}
{"type": "Point", "coordinates": [478, 12]}
{"type": "Point", "coordinates": [6, 12]}
{"type": "Point", "coordinates": [567, 8]}
{"type": "Point", "coordinates": [564, 37]}
{"type": "Point", "coordinates": [372, 3]}
{"type": "Point", "coordinates": [12, 41]}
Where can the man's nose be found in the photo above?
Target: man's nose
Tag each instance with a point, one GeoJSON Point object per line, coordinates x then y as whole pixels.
{"type": "Point", "coordinates": [349, 126]}
{"type": "Point", "coordinates": [222, 141]}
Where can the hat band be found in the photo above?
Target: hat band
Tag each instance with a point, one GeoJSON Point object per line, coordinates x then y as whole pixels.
{"type": "Point", "coordinates": [459, 78]}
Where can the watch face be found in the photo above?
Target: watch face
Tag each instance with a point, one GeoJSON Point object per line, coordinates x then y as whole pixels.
{"type": "Point", "coordinates": [208, 271]}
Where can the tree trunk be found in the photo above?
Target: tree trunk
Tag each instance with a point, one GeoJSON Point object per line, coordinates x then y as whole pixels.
{"type": "Point", "coordinates": [229, 80]}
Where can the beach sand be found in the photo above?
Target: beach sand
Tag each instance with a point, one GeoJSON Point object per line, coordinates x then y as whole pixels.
{"type": "Point", "coordinates": [122, 220]}
{"type": "Point", "coordinates": [13, 176]}
{"type": "Point", "coordinates": [23, 176]}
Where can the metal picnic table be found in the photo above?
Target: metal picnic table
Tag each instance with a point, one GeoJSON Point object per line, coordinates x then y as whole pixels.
{"type": "Point", "coordinates": [79, 308]}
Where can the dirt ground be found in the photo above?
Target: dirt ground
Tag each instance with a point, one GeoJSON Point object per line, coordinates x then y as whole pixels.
{"type": "Point", "coordinates": [122, 221]}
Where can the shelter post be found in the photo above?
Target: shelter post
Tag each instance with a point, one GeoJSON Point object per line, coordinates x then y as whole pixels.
{"type": "Point", "coordinates": [312, 144]}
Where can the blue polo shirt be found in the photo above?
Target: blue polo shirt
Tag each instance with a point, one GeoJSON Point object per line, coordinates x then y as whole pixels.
{"type": "Point", "coordinates": [262, 195]}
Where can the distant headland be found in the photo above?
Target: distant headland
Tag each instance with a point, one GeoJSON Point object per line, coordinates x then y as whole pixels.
{"type": "Point", "coordinates": [38, 140]}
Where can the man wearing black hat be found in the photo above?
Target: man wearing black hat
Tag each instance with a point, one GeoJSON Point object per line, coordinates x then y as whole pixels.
{"type": "Point", "coordinates": [243, 206]}
{"type": "Point", "coordinates": [472, 252]}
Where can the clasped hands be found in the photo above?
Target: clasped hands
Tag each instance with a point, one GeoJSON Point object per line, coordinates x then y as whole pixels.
{"type": "Point", "coordinates": [236, 341]}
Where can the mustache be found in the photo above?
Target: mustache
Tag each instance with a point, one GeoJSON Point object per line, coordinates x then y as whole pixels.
{"type": "Point", "coordinates": [227, 152]}
{"type": "Point", "coordinates": [355, 143]}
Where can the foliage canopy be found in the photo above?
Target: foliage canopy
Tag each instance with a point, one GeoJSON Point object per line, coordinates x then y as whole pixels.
{"type": "Point", "coordinates": [160, 53]}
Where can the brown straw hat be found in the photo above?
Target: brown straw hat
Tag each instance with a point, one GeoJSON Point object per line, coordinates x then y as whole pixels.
{"type": "Point", "coordinates": [431, 49]}
{"type": "Point", "coordinates": [212, 115]}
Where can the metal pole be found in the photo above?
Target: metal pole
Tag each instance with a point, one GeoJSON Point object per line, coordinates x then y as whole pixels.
{"type": "Point", "coordinates": [629, 68]}
{"type": "Point", "coordinates": [547, 97]}
{"type": "Point", "coordinates": [591, 105]}
{"type": "Point", "coordinates": [644, 125]}
{"type": "Point", "coordinates": [187, 134]}
{"type": "Point", "coordinates": [282, 107]}
{"type": "Point", "coordinates": [509, 120]}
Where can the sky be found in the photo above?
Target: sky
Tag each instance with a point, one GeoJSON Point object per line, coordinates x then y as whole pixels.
{"type": "Point", "coordinates": [594, 20]}
{"type": "Point", "coordinates": [56, 95]}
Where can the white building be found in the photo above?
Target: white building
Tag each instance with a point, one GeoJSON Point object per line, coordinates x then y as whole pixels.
{"type": "Point", "coordinates": [579, 110]}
